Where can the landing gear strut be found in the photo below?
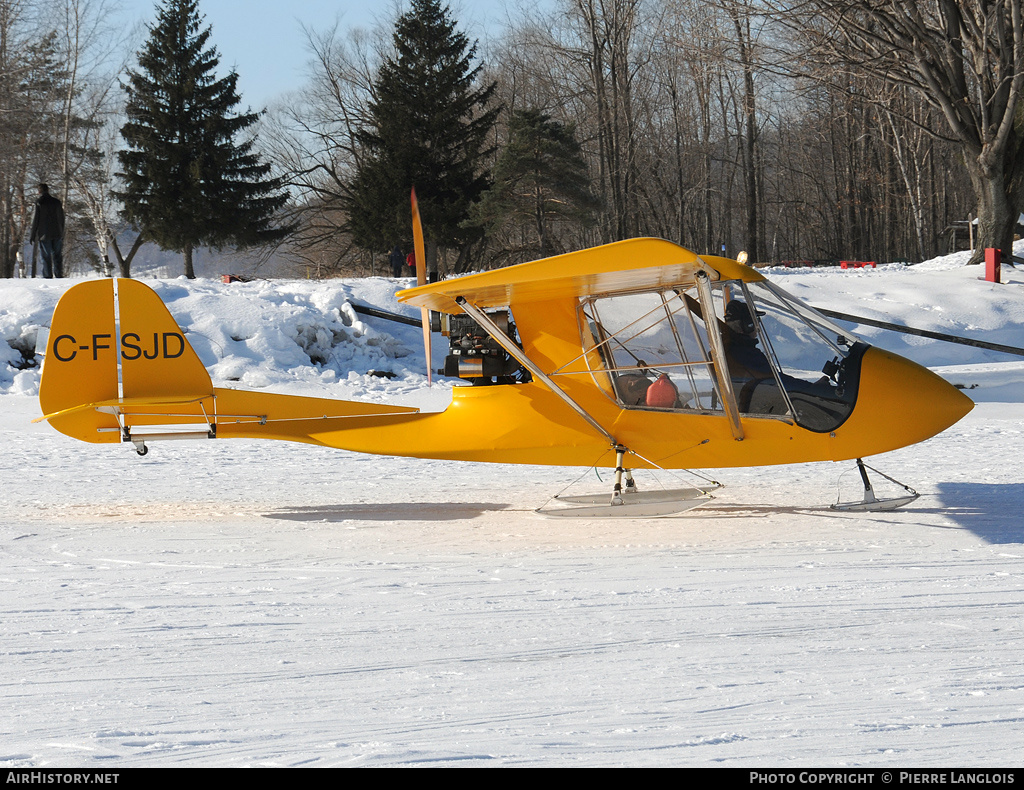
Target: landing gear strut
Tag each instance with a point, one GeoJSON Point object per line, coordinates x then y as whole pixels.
{"type": "Point", "coordinates": [617, 499]}
{"type": "Point", "coordinates": [627, 501]}
{"type": "Point", "coordinates": [870, 501]}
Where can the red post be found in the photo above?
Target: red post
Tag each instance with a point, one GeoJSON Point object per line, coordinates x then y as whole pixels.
{"type": "Point", "coordinates": [993, 258]}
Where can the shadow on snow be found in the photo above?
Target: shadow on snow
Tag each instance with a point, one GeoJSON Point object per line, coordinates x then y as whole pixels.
{"type": "Point", "coordinates": [391, 511]}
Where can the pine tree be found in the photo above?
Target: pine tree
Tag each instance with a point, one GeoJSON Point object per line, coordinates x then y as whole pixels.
{"type": "Point", "coordinates": [429, 129]}
{"type": "Point", "coordinates": [187, 182]}
{"type": "Point", "coordinates": [540, 178]}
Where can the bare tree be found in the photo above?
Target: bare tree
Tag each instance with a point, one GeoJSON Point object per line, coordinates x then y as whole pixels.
{"type": "Point", "coordinates": [56, 75]}
{"type": "Point", "coordinates": [95, 54]}
{"type": "Point", "coordinates": [311, 137]}
{"type": "Point", "coordinates": [607, 30]}
{"type": "Point", "coordinates": [964, 58]}
{"type": "Point", "coordinates": [751, 148]}
{"type": "Point", "coordinates": [706, 123]}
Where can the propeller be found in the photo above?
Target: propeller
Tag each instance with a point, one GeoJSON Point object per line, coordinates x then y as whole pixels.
{"type": "Point", "coordinates": [420, 250]}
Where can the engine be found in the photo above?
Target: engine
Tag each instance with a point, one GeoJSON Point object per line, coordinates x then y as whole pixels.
{"type": "Point", "coordinates": [474, 355]}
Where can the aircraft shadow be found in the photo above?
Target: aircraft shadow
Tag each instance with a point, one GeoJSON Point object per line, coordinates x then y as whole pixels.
{"type": "Point", "coordinates": [390, 511]}
{"type": "Point", "coordinates": [992, 511]}
{"type": "Point", "coordinates": [989, 510]}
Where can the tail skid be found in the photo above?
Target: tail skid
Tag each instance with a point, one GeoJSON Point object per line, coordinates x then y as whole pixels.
{"type": "Point", "coordinates": [118, 368]}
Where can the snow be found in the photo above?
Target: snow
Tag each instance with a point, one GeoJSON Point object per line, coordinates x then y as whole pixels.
{"type": "Point", "coordinates": [234, 603]}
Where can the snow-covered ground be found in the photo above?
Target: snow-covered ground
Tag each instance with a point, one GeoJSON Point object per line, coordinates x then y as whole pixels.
{"type": "Point", "coordinates": [243, 603]}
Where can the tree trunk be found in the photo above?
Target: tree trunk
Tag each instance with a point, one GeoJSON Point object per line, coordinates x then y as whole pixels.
{"type": "Point", "coordinates": [124, 263]}
{"type": "Point", "coordinates": [542, 235]}
{"type": "Point", "coordinates": [189, 271]}
{"type": "Point", "coordinates": [749, 156]}
{"type": "Point", "coordinates": [996, 217]}
{"type": "Point", "coordinates": [431, 251]}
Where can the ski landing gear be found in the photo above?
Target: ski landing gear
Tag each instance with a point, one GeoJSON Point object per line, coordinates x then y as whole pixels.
{"type": "Point", "coordinates": [872, 503]}
{"type": "Point", "coordinates": [630, 502]}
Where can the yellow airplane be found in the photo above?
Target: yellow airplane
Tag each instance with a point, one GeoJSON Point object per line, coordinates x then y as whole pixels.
{"type": "Point", "coordinates": [633, 355]}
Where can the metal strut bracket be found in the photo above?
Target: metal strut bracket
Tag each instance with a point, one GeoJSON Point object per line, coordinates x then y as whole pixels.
{"type": "Point", "coordinates": [617, 499]}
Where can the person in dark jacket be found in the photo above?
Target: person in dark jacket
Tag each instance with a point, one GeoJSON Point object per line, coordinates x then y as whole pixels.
{"type": "Point", "coordinates": [48, 230]}
{"type": "Point", "coordinates": [745, 360]}
{"type": "Point", "coordinates": [397, 259]}
{"type": "Point", "coordinates": [753, 379]}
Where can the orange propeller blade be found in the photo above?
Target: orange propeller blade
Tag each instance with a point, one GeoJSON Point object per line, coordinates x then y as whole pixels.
{"type": "Point", "coordinates": [420, 249]}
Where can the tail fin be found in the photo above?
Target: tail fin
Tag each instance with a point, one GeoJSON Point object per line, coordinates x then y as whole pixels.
{"type": "Point", "coordinates": [111, 343]}
{"type": "Point", "coordinates": [118, 368]}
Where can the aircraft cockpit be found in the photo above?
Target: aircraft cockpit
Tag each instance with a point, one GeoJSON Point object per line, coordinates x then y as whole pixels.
{"type": "Point", "coordinates": [720, 346]}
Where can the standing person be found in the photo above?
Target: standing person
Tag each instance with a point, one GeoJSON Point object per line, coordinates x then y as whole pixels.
{"type": "Point", "coordinates": [397, 259]}
{"type": "Point", "coordinates": [48, 230]}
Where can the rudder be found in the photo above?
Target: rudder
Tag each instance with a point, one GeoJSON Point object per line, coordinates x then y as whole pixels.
{"type": "Point", "coordinates": [156, 359]}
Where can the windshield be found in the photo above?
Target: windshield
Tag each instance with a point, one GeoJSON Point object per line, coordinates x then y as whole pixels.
{"type": "Point", "coordinates": [784, 356]}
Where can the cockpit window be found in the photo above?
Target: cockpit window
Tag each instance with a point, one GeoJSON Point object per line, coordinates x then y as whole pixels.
{"type": "Point", "coordinates": [652, 351]}
{"type": "Point", "coordinates": [654, 346]}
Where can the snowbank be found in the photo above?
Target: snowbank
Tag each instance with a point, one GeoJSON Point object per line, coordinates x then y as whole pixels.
{"type": "Point", "coordinates": [289, 335]}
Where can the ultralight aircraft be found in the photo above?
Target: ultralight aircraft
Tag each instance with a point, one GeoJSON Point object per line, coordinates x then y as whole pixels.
{"type": "Point", "coordinates": [634, 355]}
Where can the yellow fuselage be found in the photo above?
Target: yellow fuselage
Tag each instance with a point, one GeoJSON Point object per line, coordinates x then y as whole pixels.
{"type": "Point", "coordinates": [108, 380]}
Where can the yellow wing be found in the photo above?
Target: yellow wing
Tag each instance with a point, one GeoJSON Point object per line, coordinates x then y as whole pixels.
{"type": "Point", "coordinates": [634, 264]}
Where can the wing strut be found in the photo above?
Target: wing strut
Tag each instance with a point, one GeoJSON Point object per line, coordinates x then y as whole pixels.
{"type": "Point", "coordinates": [503, 340]}
{"type": "Point", "coordinates": [718, 355]}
